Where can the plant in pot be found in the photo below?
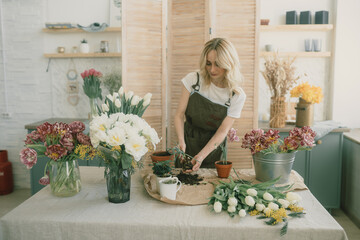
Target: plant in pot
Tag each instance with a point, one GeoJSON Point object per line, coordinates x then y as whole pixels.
{"type": "Point", "coordinates": [112, 81]}
{"type": "Point", "coordinates": [161, 170]}
{"type": "Point", "coordinates": [159, 156]}
{"type": "Point", "coordinates": [84, 46]}
{"type": "Point", "coordinates": [223, 167]}
{"type": "Point", "coordinates": [274, 157]}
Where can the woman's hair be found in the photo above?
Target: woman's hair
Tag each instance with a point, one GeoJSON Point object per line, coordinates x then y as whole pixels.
{"type": "Point", "coordinates": [226, 58]}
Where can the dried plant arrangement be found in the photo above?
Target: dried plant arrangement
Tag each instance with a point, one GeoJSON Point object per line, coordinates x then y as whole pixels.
{"type": "Point", "coordinates": [279, 75]}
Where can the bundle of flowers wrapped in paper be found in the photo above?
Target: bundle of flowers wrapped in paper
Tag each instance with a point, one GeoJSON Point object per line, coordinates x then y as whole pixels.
{"type": "Point", "coordinates": [259, 141]}
{"type": "Point", "coordinates": [125, 102]}
{"type": "Point", "coordinates": [61, 143]}
{"type": "Point", "coordinates": [239, 198]}
{"type": "Point", "coordinates": [311, 94]}
{"type": "Point", "coordinates": [125, 136]}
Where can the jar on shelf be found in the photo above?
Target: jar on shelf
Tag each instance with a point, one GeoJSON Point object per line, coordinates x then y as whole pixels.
{"type": "Point", "coordinates": [104, 46]}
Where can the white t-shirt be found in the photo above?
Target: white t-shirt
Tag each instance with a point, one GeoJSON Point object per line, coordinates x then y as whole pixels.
{"type": "Point", "coordinates": [216, 94]}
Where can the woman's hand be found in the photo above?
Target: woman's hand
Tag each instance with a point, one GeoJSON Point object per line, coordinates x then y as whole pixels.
{"type": "Point", "coordinates": [196, 162]}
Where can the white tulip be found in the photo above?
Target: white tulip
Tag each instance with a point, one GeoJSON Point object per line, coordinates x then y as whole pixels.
{"type": "Point", "coordinates": [121, 91]}
{"type": "Point", "coordinates": [249, 200]}
{"type": "Point", "coordinates": [284, 203]}
{"type": "Point", "coordinates": [117, 103]}
{"type": "Point", "coordinates": [267, 210]}
{"type": "Point", "coordinates": [242, 213]}
{"type": "Point", "coordinates": [146, 102]}
{"type": "Point", "coordinates": [260, 207]}
{"type": "Point", "coordinates": [232, 201]}
{"type": "Point", "coordinates": [251, 192]}
{"type": "Point", "coordinates": [268, 196]}
{"type": "Point", "coordinates": [231, 209]}
{"type": "Point", "coordinates": [291, 196]}
{"type": "Point", "coordinates": [273, 206]}
{"type": "Point", "coordinates": [115, 95]}
{"type": "Point", "coordinates": [217, 207]}
{"type": "Point", "coordinates": [147, 96]}
{"type": "Point", "coordinates": [105, 107]}
{"type": "Point", "coordinates": [135, 100]}
{"type": "Point", "coordinates": [129, 95]}
{"type": "Point", "coordinates": [110, 97]}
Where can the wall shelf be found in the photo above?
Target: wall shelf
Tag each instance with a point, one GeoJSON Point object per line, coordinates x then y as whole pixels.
{"type": "Point", "coordinates": [78, 30]}
{"type": "Point", "coordinates": [82, 55]}
{"type": "Point", "coordinates": [297, 54]}
{"type": "Point", "coordinates": [296, 27]}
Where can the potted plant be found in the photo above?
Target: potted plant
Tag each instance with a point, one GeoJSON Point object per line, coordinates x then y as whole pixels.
{"type": "Point", "coordinates": [84, 46]}
{"type": "Point", "coordinates": [112, 81]}
{"type": "Point", "coordinates": [162, 170]}
{"type": "Point", "coordinates": [160, 156]}
{"type": "Point", "coordinates": [223, 167]}
{"type": "Point", "coordinates": [274, 157]}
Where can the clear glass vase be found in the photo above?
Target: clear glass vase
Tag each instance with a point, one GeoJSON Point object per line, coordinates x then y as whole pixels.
{"type": "Point", "coordinates": [93, 108]}
{"type": "Point", "coordinates": [118, 181]}
{"type": "Point", "coordinates": [65, 178]}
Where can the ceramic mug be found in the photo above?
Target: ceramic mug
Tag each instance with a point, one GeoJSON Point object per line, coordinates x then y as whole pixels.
{"type": "Point", "coordinates": [169, 187]}
{"type": "Point", "coordinates": [308, 45]}
{"type": "Point", "coordinates": [269, 47]}
{"type": "Point", "coordinates": [316, 45]}
{"type": "Point", "coordinates": [158, 179]}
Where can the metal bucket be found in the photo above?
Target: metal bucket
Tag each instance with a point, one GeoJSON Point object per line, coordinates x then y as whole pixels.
{"type": "Point", "coordinates": [272, 165]}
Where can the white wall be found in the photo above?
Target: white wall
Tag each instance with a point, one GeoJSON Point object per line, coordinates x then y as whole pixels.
{"type": "Point", "coordinates": [30, 93]}
{"type": "Point", "coordinates": [347, 64]}
{"type": "Point", "coordinates": [318, 70]}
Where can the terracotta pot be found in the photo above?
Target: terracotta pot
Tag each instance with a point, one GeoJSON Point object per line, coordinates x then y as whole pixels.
{"type": "Point", "coordinates": [160, 156]}
{"type": "Point", "coordinates": [3, 156]}
{"type": "Point", "coordinates": [223, 171]}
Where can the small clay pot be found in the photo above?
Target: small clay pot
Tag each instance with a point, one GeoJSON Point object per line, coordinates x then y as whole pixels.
{"type": "Point", "coordinates": [160, 156]}
{"type": "Point", "coordinates": [3, 156]}
{"type": "Point", "coordinates": [223, 170]}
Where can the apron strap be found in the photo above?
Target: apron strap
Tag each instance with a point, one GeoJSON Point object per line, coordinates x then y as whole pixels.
{"type": "Point", "coordinates": [228, 101]}
{"type": "Point", "coordinates": [196, 86]}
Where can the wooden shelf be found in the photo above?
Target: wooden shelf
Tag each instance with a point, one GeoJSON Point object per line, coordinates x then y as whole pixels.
{"type": "Point", "coordinates": [82, 55]}
{"type": "Point", "coordinates": [296, 27]}
{"type": "Point", "coordinates": [297, 54]}
{"type": "Point", "coordinates": [78, 30]}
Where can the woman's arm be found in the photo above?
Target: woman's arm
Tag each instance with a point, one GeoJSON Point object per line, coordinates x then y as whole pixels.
{"type": "Point", "coordinates": [215, 141]}
{"type": "Point", "coordinates": [179, 117]}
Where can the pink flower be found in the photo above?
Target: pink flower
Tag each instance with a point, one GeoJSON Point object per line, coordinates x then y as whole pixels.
{"type": "Point", "coordinates": [60, 128]}
{"type": "Point", "coordinates": [45, 180]}
{"type": "Point", "coordinates": [55, 152]}
{"type": "Point", "coordinates": [83, 139]}
{"type": "Point", "coordinates": [67, 141]}
{"type": "Point", "coordinates": [77, 126]}
{"type": "Point", "coordinates": [232, 135]}
{"type": "Point", "coordinates": [33, 137]}
{"type": "Point", "coordinates": [44, 129]}
{"type": "Point", "coordinates": [92, 71]}
{"type": "Point", "coordinates": [28, 157]}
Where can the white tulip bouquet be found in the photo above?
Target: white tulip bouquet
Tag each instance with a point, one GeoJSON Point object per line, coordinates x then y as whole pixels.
{"type": "Point", "coordinates": [264, 199]}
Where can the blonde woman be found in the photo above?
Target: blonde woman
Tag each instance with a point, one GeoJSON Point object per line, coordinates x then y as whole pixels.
{"type": "Point", "coordinates": [211, 100]}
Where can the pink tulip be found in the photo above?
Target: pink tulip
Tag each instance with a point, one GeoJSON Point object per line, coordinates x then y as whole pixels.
{"type": "Point", "coordinates": [28, 157]}
{"type": "Point", "coordinates": [45, 180]}
{"type": "Point", "coordinates": [92, 71]}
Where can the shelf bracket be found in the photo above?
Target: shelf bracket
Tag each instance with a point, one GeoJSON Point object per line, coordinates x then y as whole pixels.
{"type": "Point", "coordinates": [47, 69]}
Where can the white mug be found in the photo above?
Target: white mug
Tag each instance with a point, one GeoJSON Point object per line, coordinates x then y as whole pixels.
{"type": "Point", "coordinates": [169, 188]}
{"type": "Point", "coordinates": [158, 179]}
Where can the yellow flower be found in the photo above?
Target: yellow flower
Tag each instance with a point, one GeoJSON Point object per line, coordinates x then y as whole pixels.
{"type": "Point", "coordinates": [254, 212]}
{"type": "Point", "coordinates": [309, 93]}
{"type": "Point", "coordinates": [294, 208]}
{"type": "Point", "coordinates": [278, 215]}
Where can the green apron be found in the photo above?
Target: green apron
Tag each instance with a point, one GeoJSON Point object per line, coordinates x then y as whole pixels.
{"type": "Point", "coordinates": [203, 118]}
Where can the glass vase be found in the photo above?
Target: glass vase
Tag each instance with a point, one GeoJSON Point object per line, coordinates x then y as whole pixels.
{"type": "Point", "coordinates": [118, 181]}
{"type": "Point", "coordinates": [65, 178]}
{"type": "Point", "coordinates": [93, 108]}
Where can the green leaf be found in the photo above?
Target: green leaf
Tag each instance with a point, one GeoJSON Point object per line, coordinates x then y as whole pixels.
{"type": "Point", "coordinates": [219, 197]}
{"type": "Point", "coordinates": [283, 230]}
{"type": "Point", "coordinates": [126, 161]}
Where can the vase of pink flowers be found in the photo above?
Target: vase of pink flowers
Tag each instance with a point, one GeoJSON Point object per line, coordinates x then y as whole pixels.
{"type": "Point", "coordinates": [62, 145]}
{"type": "Point", "coordinates": [274, 157]}
{"type": "Point", "coordinates": [92, 89]}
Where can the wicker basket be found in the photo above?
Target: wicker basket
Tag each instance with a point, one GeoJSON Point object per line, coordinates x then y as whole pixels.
{"type": "Point", "coordinates": [277, 112]}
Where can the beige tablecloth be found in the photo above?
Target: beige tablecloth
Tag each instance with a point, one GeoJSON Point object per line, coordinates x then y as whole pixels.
{"type": "Point", "coordinates": [89, 215]}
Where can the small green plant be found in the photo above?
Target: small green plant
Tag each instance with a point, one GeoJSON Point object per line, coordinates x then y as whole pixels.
{"type": "Point", "coordinates": [162, 169]}
{"type": "Point", "coordinates": [84, 41]}
{"type": "Point", "coordinates": [113, 81]}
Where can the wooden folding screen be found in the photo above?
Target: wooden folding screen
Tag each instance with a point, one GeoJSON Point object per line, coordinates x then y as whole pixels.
{"type": "Point", "coordinates": [143, 56]}
{"type": "Point", "coordinates": [187, 35]}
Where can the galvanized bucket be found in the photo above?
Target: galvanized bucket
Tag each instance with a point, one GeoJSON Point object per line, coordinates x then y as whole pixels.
{"type": "Point", "coordinates": [272, 165]}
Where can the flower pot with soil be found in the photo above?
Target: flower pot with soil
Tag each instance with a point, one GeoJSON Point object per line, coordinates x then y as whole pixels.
{"type": "Point", "coordinates": [223, 168]}
{"type": "Point", "coordinates": [160, 156]}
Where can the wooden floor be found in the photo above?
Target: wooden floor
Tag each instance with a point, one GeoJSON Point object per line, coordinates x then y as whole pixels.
{"type": "Point", "coordinates": [10, 201]}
